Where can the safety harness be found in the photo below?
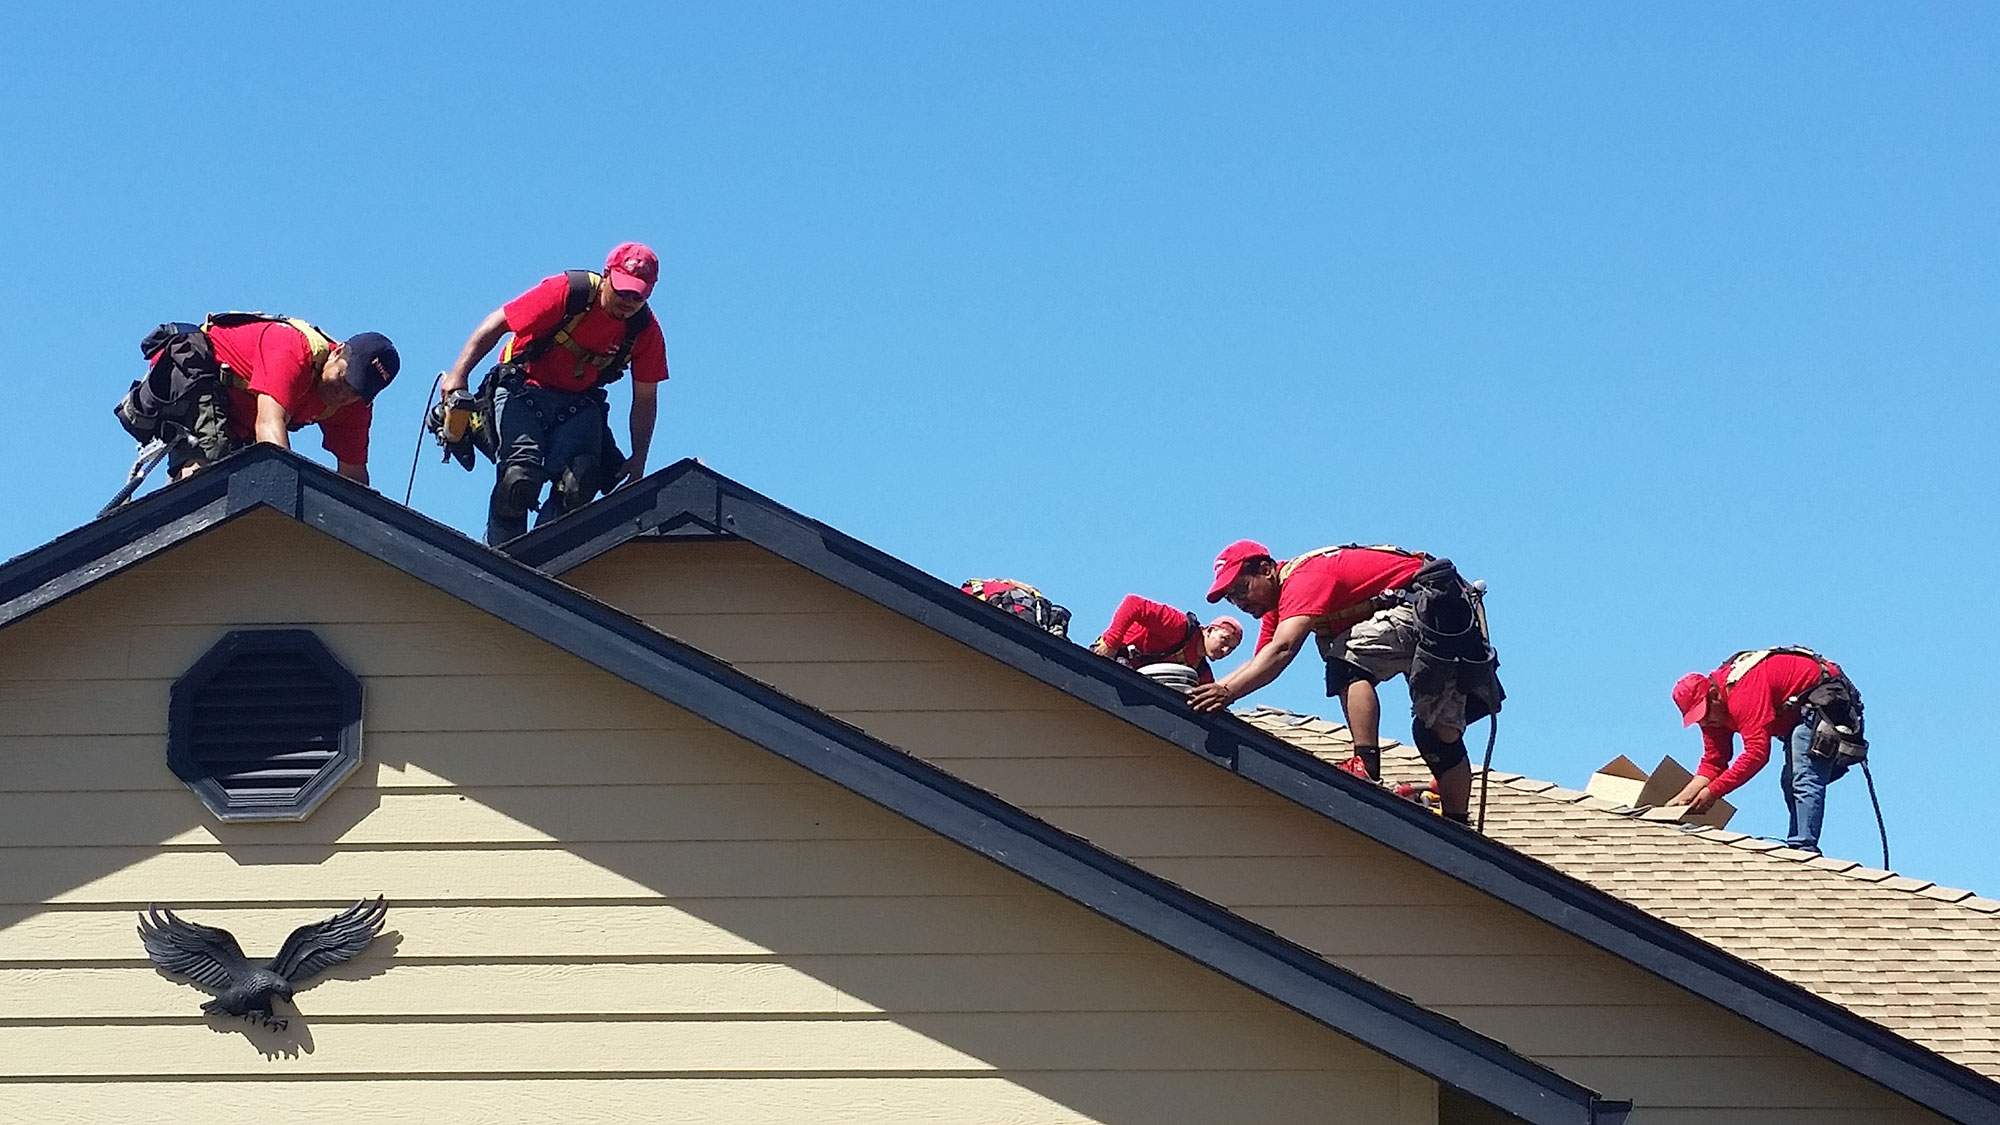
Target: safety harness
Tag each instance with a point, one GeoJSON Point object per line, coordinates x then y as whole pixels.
{"type": "Point", "coordinates": [584, 287]}
{"type": "Point", "coordinates": [160, 406]}
{"type": "Point", "coordinates": [1840, 728]}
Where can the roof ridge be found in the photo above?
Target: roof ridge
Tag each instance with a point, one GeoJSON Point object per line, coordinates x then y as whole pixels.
{"type": "Point", "coordinates": [1559, 794]}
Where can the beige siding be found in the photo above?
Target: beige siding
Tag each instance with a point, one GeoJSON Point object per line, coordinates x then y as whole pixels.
{"type": "Point", "coordinates": [1592, 1016]}
{"type": "Point", "coordinates": [602, 907]}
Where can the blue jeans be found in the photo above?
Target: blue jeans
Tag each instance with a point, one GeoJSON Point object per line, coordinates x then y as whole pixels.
{"type": "Point", "coordinates": [1804, 781]}
{"type": "Point", "coordinates": [546, 430]}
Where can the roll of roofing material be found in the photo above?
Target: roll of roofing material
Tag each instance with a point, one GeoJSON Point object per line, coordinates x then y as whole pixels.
{"type": "Point", "coordinates": [1179, 677]}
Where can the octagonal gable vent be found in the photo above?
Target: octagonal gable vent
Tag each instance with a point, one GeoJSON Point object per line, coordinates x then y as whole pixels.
{"type": "Point", "coordinates": [265, 725]}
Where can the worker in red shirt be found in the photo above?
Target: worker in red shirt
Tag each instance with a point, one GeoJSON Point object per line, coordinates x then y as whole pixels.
{"type": "Point", "coordinates": [1370, 610]}
{"type": "Point", "coordinates": [243, 378]}
{"type": "Point", "coordinates": [1145, 632]}
{"type": "Point", "coordinates": [1762, 694]}
{"type": "Point", "coordinates": [574, 334]}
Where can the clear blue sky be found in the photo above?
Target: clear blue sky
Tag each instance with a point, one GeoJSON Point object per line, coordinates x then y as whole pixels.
{"type": "Point", "coordinates": [1677, 326]}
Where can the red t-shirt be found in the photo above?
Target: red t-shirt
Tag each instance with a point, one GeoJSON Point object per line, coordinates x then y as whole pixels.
{"type": "Point", "coordinates": [1152, 628]}
{"type": "Point", "coordinates": [1327, 584]}
{"type": "Point", "coordinates": [276, 361]}
{"type": "Point", "coordinates": [539, 312]}
{"type": "Point", "coordinates": [1757, 711]}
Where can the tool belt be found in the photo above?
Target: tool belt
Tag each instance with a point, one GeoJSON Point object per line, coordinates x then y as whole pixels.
{"type": "Point", "coordinates": [1839, 732]}
{"type": "Point", "coordinates": [482, 434]}
{"type": "Point", "coordinates": [1454, 674]}
{"type": "Point", "coordinates": [181, 368]}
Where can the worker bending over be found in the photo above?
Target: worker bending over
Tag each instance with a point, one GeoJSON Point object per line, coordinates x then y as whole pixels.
{"type": "Point", "coordinates": [239, 378]}
{"type": "Point", "coordinates": [574, 334]}
{"type": "Point", "coordinates": [1145, 632]}
{"type": "Point", "coordinates": [1375, 612]}
{"type": "Point", "coordinates": [1790, 693]}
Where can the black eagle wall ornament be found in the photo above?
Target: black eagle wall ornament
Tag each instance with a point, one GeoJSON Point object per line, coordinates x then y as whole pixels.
{"type": "Point", "coordinates": [209, 955]}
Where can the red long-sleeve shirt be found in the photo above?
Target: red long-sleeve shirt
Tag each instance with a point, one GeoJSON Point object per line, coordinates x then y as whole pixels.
{"type": "Point", "coordinates": [1756, 708]}
{"type": "Point", "coordinates": [1154, 627]}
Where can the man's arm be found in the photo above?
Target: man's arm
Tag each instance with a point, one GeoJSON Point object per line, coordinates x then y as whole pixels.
{"type": "Point", "coordinates": [1264, 667]}
{"type": "Point", "coordinates": [356, 471]}
{"type": "Point", "coordinates": [645, 412]}
{"type": "Point", "coordinates": [272, 421]}
{"type": "Point", "coordinates": [476, 346]}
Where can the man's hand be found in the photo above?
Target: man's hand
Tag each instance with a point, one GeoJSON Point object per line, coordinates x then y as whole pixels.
{"type": "Point", "coordinates": [1212, 697]}
{"type": "Point", "coordinates": [1695, 795]}
{"type": "Point", "coordinates": [635, 467]}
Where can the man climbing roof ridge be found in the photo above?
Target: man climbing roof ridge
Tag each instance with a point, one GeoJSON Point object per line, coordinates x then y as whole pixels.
{"type": "Point", "coordinates": [1375, 612]}
{"type": "Point", "coordinates": [244, 377]}
{"type": "Point", "coordinates": [544, 404]}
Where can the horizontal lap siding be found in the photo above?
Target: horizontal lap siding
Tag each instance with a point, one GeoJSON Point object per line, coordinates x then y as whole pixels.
{"type": "Point", "coordinates": [1594, 1017]}
{"type": "Point", "coordinates": [601, 907]}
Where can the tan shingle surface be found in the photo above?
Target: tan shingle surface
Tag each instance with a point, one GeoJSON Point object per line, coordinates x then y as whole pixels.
{"type": "Point", "coordinates": [1920, 959]}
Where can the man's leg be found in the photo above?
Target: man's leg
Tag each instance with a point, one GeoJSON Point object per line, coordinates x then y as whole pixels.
{"type": "Point", "coordinates": [518, 470]}
{"type": "Point", "coordinates": [1805, 779]}
{"type": "Point", "coordinates": [207, 437]}
{"type": "Point", "coordinates": [1363, 708]}
{"type": "Point", "coordinates": [1451, 767]}
{"type": "Point", "coordinates": [573, 461]}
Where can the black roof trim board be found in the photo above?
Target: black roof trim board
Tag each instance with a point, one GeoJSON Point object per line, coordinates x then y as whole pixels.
{"type": "Point", "coordinates": [625, 647]}
{"type": "Point", "coordinates": [1795, 1013]}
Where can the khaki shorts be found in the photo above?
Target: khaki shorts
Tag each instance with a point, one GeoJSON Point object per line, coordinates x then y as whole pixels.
{"type": "Point", "coordinates": [1377, 649]}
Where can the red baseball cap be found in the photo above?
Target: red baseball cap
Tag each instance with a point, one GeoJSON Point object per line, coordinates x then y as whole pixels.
{"type": "Point", "coordinates": [1691, 696]}
{"type": "Point", "coordinates": [632, 268]}
{"type": "Point", "coordinates": [1230, 562]}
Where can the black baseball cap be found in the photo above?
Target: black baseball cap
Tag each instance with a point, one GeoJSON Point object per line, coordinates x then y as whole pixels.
{"type": "Point", "coordinates": [372, 363]}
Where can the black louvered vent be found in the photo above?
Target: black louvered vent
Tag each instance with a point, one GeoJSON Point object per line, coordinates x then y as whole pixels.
{"type": "Point", "coordinates": [265, 724]}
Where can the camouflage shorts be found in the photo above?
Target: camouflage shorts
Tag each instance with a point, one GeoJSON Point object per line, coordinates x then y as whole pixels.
{"type": "Point", "coordinates": [209, 427]}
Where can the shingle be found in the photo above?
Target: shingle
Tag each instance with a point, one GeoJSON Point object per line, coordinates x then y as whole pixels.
{"type": "Point", "coordinates": [1920, 959]}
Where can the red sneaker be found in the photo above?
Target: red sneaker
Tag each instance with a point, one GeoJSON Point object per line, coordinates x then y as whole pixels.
{"type": "Point", "coordinates": [1355, 766]}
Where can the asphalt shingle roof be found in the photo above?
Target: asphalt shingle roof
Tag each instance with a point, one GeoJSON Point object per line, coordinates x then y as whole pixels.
{"type": "Point", "coordinates": [1920, 959]}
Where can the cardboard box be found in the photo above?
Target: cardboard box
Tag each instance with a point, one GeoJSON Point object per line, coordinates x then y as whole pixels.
{"type": "Point", "coordinates": [1621, 780]}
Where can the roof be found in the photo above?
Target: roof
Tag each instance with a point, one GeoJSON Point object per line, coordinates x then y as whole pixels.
{"type": "Point", "coordinates": [266, 477]}
{"type": "Point", "coordinates": [1920, 959]}
{"type": "Point", "coordinates": [690, 499]}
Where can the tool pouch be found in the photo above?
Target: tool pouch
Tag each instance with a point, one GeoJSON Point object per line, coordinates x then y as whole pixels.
{"type": "Point", "coordinates": [1839, 732]}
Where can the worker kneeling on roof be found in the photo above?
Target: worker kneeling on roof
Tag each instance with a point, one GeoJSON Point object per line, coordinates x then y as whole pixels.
{"type": "Point", "coordinates": [543, 407]}
{"type": "Point", "coordinates": [1375, 612]}
{"type": "Point", "coordinates": [239, 378]}
{"type": "Point", "coordinates": [1145, 632]}
{"type": "Point", "coordinates": [1790, 693]}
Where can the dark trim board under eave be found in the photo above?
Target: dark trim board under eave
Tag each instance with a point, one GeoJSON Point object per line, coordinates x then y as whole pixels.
{"type": "Point", "coordinates": [688, 490]}
{"type": "Point", "coordinates": [624, 647]}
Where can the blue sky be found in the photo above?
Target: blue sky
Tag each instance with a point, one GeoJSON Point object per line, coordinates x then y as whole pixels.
{"type": "Point", "coordinates": [1677, 326]}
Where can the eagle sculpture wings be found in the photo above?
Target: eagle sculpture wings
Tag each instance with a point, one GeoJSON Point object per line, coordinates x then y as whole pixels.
{"type": "Point", "coordinates": [209, 955]}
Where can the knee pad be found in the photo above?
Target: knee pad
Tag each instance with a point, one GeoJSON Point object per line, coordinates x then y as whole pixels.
{"type": "Point", "coordinates": [1438, 754]}
{"type": "Point", "coordinates": [578, 483]}
{"type": "Point", "coordinates": [518, 489]}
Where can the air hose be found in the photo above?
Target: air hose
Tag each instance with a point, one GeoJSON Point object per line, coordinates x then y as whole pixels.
{"type": "Point", "coordinates": [423, 423]}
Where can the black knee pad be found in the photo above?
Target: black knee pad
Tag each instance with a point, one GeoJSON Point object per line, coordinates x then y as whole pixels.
{"type": "Point", "coordinates": [1438, 754]}
{"type": "Point", "coordinates": [578, 483]}
{"type": "Point", "coordinates": [1340, 674]}
{"type": "Point", "coordinates": [518, 489]}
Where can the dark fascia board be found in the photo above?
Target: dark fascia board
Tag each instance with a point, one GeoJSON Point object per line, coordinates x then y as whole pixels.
{"type": "Point", "coordinates": [688, 489]}
{"type": "Point", "coordinates": [689, 678]}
